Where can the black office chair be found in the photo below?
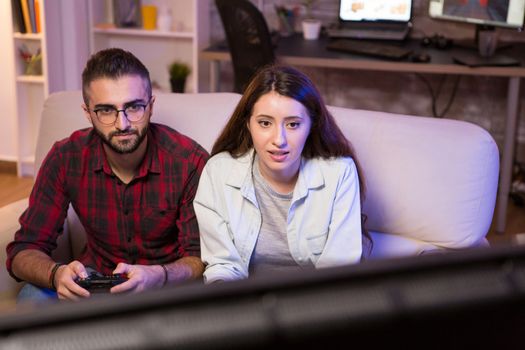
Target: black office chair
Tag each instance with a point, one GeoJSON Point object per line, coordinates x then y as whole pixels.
{"type": "Point", "coordinates": [248, 39]}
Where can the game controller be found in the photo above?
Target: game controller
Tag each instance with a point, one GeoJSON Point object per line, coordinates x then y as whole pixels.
{"type": "Point", "coordinates": [97, 283]}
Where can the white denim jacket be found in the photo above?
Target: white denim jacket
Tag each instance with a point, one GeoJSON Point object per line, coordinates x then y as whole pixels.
{"type": "Point", "coordinates": [324, 219]}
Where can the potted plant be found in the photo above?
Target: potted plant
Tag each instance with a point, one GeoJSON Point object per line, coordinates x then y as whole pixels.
{"type": "Point", "coordinates": [178, 71]}
{"type": "Point", "coordinates": [311, 26]}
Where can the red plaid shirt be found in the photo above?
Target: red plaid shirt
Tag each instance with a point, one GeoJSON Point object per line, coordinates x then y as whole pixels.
{"type": "Point", "coordinates": [148, 221]}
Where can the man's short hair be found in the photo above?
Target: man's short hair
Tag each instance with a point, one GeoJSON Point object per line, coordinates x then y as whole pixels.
{"type": "Point", "coordinates": [113, 63]}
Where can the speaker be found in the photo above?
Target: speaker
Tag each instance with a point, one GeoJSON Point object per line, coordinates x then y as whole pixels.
{"type": "Point", "coordinates": [437, 41]}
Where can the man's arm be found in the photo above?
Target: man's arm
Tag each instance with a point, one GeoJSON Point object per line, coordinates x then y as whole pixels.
{"type": "Point", "coordinates": [33, 265]}
{"type": "Point", "coordinates": [37, 267]}
{"type": "Point", "coordinates": [143, 277]}
{"type": "Point", "coordinates": [186, 268]}
{"type": "Point", "coordinates": [188, 228]}
{"type": "Point", "coordinates": [40, 224]}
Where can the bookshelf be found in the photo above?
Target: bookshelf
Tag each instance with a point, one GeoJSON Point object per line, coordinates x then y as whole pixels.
{"type": "Point", "coordinates": [30, 89]}
{"type": "Point", "coordinates": [157, 49]}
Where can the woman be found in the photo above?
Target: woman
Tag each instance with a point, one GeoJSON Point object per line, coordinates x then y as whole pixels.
{"type": "Point", "coordinates": [282, 188]}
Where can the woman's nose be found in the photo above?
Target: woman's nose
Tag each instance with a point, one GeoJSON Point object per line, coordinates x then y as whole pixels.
{"type": "Point", "coordinates": [280, 136]}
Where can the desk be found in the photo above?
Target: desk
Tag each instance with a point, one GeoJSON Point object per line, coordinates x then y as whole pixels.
{"type": "Point", "coordinates": [296, 51]}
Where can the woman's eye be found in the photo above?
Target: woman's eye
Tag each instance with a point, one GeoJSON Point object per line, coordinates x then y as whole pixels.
{"type": "Point", "coordinates": [264, 123]}
{"type": "Point", "coordinates": [294, 125]}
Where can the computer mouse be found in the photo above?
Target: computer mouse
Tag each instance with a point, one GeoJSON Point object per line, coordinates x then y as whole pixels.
{"type": "Point", "coordinates": [420, 57]}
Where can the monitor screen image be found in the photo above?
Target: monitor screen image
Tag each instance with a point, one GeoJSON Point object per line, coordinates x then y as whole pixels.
{"type": "Point", "coordinates": [501, 13]}
{"type": "Point", "coordinates": [375, 10]}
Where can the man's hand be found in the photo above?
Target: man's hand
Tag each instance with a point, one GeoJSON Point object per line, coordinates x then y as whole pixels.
{"type": "Point", "coordinates": [140, 278]}
{"type": "Point", "coordinates": [65, 284]}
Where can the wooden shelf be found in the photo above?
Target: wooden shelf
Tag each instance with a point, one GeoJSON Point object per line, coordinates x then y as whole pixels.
{"type": "Point", "coordinates": [27, 36]}
{"type": "Point", "coordinates": [36, 79]}
{"type": "Point", "coordinates": [143, 33]}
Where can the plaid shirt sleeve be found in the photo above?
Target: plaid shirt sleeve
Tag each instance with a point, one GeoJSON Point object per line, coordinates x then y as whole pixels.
{"type": "Point", "coordinates": [189, 239]}
{"type": "Point", "coordinates": [42, 222]}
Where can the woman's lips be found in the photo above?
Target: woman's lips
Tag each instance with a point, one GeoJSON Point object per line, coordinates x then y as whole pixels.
{"type": "Point", "coordinates": [278, 156]}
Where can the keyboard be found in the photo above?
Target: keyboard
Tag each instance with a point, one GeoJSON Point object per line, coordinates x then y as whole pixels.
{"type": "Point", "coordinates": [368, 48]}
{"type": "Point", "coordinates": [377, 34]}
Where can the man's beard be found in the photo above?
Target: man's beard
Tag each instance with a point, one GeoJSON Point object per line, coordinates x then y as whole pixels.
{"type": "Point", "coordinates": [126, 146]}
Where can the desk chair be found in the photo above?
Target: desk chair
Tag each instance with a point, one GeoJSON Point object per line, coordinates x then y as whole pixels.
{"type": "Point", "coordinates": [248, 39]}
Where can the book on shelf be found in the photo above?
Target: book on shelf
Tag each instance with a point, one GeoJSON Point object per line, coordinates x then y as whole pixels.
{"type": "Point", "coordinates": [32, 18]}
{"type": "Point", "coordinates": [25, 13]}
{"type": "Point", "coordinates": [18, 17]}
{"type": "Point", "coordinates": [26, 16]}
{"type": "Point", "coordinates": [37, 16]}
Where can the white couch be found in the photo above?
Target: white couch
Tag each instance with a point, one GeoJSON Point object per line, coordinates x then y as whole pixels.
{"type": "Point", "coordinates": [431, 182]}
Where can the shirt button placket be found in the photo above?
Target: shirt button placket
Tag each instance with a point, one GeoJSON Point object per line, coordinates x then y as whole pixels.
{"type": "Point", "coordinates": [128, 218]}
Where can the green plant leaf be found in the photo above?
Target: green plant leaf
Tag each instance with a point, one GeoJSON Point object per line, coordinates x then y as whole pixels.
{"type": "Point", "coordinates": [178, 70]}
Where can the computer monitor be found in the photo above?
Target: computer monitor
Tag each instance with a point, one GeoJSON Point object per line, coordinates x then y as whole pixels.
{"type": "Point", "coordinates": [485, 14]}
{"type": "Point", "coordinates": [500, 13]}
{"type": "Point", "coordinates": [375, 10]}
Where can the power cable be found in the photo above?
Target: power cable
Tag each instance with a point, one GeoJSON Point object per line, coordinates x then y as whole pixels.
{"type": "Point", "coordinates": [435, 95]}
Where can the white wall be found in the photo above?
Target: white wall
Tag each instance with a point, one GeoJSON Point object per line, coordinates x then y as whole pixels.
{"type": "Point", "coordinates": [67, 40]}
{"type": "Point", "coordinates": [75, 41]}
{"type": "Point", "coordinates": [7, 86]}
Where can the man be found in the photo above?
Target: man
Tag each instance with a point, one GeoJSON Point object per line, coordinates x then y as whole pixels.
{"type": "Point", "coordinates": [131, 183]}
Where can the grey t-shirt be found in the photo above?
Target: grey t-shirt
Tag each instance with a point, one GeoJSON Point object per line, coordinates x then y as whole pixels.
{"type": "Point", "coordinates": [271, 251]}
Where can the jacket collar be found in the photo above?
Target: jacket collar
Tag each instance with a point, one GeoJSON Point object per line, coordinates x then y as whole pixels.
{"type": "Point", "coordinates": [240, 176]}
{"type": "Point", "coordinates": [310, 177]}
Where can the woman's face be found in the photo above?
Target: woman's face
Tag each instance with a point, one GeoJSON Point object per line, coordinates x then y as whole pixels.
{"type": "Point", "coordinates": [279, 127]}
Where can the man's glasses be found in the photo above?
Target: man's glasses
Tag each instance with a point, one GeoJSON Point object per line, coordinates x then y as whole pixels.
{"type": "Point", "coordinates": [108, 115]}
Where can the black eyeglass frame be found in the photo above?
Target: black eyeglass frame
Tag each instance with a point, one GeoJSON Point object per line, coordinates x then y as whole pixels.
{"type": "Point", "coordinates": [117, 111]}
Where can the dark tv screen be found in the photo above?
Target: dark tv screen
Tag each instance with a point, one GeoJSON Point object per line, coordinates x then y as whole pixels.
{"type": "Point", "coordinates": [461, 299]}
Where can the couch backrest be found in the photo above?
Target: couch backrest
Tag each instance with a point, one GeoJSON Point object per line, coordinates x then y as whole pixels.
{"type": "Point", "coordinates": [432, 180]}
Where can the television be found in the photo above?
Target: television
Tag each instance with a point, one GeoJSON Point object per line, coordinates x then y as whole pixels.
{"type": "Point", "coordinates": [459, 300]}
{"type": "Point", "coordinates": [485, 15]}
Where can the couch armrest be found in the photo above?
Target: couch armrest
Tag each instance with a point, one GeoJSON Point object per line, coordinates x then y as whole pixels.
{"type": "Point", "coordinates": [9, 224]}
{"type": "Point", "coordinates": [9, 215]}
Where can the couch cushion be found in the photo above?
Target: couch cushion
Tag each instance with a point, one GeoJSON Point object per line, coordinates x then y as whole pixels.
{"type": "Point", "coordinates": [388, 246]}
{"type": "Point", "coordinates": [199, 116]}
{"type": "Point", "coordinates": [431, 180]}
